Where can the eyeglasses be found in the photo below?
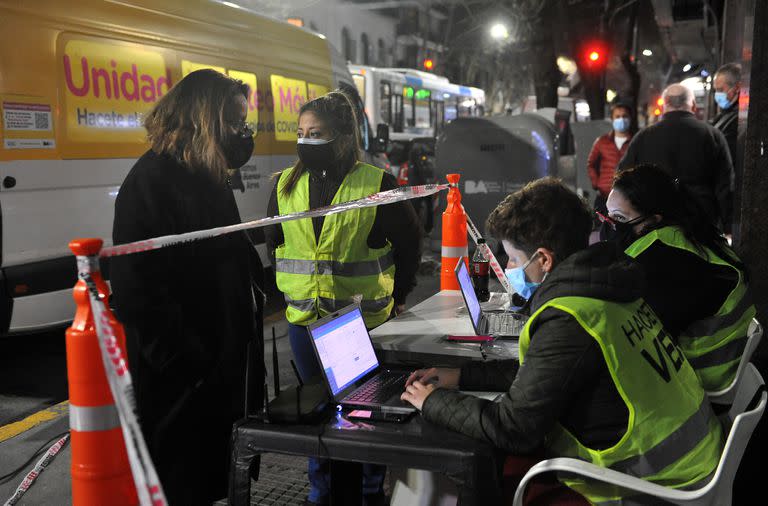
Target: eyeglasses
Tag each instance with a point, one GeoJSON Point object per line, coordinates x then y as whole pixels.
{"type": "Point", "coordinates": [612, 223]}
{"type": "Point", "coordinates": [245, 129]}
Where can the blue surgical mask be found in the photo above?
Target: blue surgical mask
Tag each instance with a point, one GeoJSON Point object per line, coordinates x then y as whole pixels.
{"type": "Point", "coordinates": [721, 98]}
{"type": "Point", "coordinates": [518, 280]}
{"type": "Point", "coordinates": [621, 124]}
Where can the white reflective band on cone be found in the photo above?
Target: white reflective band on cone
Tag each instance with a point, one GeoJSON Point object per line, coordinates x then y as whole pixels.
{"type": "Point", "coordinates": [93, 418]}
{"type": "Point", "coordinates": [455, 251]}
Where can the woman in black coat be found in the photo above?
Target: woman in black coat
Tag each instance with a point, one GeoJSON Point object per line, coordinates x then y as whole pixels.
{"type": "Point", "coordinates": [189, 310]}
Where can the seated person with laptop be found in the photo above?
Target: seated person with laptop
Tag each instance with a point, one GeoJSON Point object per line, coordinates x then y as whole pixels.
{"type": "Point", "coordinates": [598, 378]}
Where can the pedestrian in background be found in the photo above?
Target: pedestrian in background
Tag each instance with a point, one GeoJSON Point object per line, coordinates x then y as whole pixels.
{"type": "Point", "coordinates": [188, 310]}
{"type": "Point", "coordinates": [727, 84]}
{"type": "Point", "coordinates": [607, 151]}
{"type": "Point", "coordinates": [369, 256]}
{"type": "Point", "coordinates": [690, 150]}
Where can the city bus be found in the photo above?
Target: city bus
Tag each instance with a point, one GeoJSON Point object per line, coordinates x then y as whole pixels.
{"type": "Point", "coordinates": [413, 103]}
{"type": "Point", "coordinates": [76, 77]}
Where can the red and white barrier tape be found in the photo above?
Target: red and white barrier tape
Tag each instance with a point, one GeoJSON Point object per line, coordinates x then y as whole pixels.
{"type": "Point", "coordinates": [147, 483]}
{"type": "Point", "coordinates": [31, 476]}
{"type": "Point", "coordinates": [495, 265]}
{"type": "Point", "coordinates": [377, 199]}
{"type": "Point", "coordinates": [145, 477]}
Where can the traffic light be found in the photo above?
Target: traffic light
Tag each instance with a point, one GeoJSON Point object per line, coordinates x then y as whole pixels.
{"type": "Point", "coordinates": [594, 57]}
{"type": "Point", "coordinates": [428, 64]}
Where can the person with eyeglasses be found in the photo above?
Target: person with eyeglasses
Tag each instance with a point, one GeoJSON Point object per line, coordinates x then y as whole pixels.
{"type": "Point", "coordinates": [598, 378]}
{"type": "Point", "coordinates": [697, 285]}
{"type": "Point", "coordinates": [189, 311]}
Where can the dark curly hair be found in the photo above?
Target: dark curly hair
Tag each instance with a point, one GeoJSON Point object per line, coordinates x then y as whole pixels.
{"type": "Point", "coordinates": [544, 213]}
{"type": "Point", "coordinates": [337, 112]}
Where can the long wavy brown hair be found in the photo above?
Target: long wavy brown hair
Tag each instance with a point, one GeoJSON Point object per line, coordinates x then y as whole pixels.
{"type": "Point", "coordinates": [336, 111]}
{"type": "Point", "coordinates": [193, 120]}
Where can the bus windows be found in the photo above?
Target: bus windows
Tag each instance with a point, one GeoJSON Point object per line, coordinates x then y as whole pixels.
{"type": "Point", "coordinates": [408, 106]}
{"type": "Point", "coordinates": [398, 113]}
{"type": "Point", "coordinates": [466, 107]}
{"type": "Point", "coordinates": [439, 116]}
{"type": "Point", "coordinates": [360, 83]}
{"type": "Point", "coordinates": [451, 108]}
{"type": "Point", "coordinates": [386, 103]}
{"type": "Point", "coordinates": [422, 109]}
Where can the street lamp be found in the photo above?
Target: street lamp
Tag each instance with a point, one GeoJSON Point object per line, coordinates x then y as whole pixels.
{"type": "Point", "coordinates": [647, 52]}
{"type": "Point", "coordinates": [499, 31]}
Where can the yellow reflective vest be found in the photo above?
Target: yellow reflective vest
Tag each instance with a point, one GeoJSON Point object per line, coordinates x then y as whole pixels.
{"type": "Point", "coordinates": [318, 277]}
{"type": "Point", "coordinates": [672, 437]}
{"type": "Point", "coordinates": [715, 344]}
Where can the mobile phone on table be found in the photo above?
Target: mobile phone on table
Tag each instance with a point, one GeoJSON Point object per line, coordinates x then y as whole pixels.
{"type": "Point", "coordinates": [470, 339]}
{"type": "Point", "coordinates": [379, 416]}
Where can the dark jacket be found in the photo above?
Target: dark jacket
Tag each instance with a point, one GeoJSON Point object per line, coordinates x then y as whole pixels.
{"type": "Point", "coordinates": [564, 378]}
{"type": "Point", "coordinates": [727, 121]}
{"type": "Point", "coordinates": [188, 313]}
{"type": "Point", "coordinates": [602, 162]}
{"type": "Point", "coordinates": [693, 151]}
{"type": "Point", "coordinates": [396, 223]}
{"type": "Point", "coordinates": [682, 287]}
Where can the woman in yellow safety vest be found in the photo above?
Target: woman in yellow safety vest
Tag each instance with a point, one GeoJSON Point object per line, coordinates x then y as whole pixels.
{"type": "Point", "coordinates": [697, 284]}
{"type": "Point", "coordinates": [366, 256]}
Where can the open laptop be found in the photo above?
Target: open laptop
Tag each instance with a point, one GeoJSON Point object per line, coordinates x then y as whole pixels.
{"type": "Point", "coordinates": [351, 371]}
{"type": "Point", "coordinates": [497, 324]}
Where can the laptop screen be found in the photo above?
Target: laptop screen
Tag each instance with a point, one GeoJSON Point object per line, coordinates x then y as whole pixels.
{"type": "Point", "coordinates": [465, 283]}
{"type": "Point", "coordinates": [345, 350]}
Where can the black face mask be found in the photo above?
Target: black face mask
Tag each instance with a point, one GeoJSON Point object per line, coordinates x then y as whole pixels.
{"type": "Point", "coordinates": [238, 150]}
{"type": "Point", "coordinates": [315, 156]}
{"type": "Point", "coordinates": [621, 233]}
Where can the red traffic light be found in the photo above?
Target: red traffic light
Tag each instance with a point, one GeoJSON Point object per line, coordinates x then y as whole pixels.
{"type": "Point", "coordinates": [594, 57]}
{"type": "Point", "coordinates": [429, 64]}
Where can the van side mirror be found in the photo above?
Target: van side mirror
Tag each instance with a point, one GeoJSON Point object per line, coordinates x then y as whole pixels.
{"type": "Point", "coordinates": [382, 137]}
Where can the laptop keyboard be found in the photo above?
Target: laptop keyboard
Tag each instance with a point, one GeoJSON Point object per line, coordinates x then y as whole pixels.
{"type": "Point", "coordinates": [506, 323]}
{"type": "Point", "coordinates": [379, 388]}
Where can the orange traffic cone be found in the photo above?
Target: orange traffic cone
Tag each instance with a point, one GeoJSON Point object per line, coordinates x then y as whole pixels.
{"type": "Point", "coordinates": [101, 473]}
{"type": "Point", "coordinates": [454, 235]}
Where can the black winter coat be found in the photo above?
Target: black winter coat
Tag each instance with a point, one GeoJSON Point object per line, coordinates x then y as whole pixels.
{"type": "Point", "coordinates": [188, 312]}
{"type": "Point", "coordinates": [564, 378]}
{"type": "Point", "coordinates": [693, 151]}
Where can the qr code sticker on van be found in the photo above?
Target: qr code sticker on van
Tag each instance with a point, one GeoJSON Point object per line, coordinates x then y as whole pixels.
{"type": "Point", "coordinates": [42, 121]}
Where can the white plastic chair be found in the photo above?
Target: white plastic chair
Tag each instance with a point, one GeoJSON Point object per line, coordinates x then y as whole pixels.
{"type": "Point", "coordinates": [726, 395]}
{"type": "Point", "coordinates": [739, 425]}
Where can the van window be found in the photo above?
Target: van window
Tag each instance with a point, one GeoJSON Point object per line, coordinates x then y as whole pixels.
{"type": "Point", "coordinates": [386, 103]}
{"type": "Point", "coordinates": [422, 109]}
{"type": "Point", "coordinates": [360, 83]}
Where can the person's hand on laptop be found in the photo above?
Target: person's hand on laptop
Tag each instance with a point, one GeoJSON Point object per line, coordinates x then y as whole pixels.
{"type": "Point", "coordinates": [416, 393]}
{"type": "Point", "coordinates": [440, 377]}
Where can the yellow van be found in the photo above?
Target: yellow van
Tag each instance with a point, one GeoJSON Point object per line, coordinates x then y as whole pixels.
{"type": "Point", "coordinates": [77, 76]}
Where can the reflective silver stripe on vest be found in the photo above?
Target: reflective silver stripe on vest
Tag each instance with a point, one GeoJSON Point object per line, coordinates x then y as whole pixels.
{"type": "Point", "coordinates": [726, 353]}
{"type": "Point", "coordinates": [455, 251]}
{"type": "Point", "coordinates": [335, 268]}
{"type": "Point", "coordinates": [671, 449]}
{"type": "Point", "coordinates": [367, 306]}
{"type": "Point", "coordinates": [89, 418]}
{"type": "Point", "coordinates": [303, 305]}
{"type": "Point", "coordinates": [709, 326]}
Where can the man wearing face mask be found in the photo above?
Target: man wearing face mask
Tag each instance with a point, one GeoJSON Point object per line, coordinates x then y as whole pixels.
{"type": "Point", "coordinates": [591, 353]}
{"type": "Point", "coordinates": [607, 151]}
{"type": "Point", "coordinates": [727, 85]}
